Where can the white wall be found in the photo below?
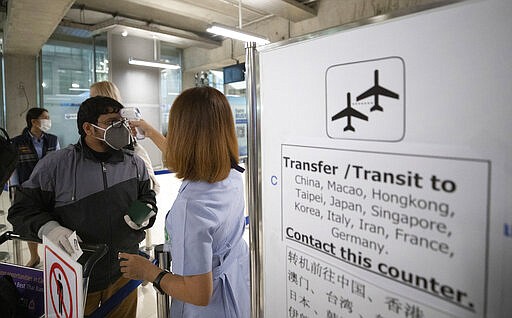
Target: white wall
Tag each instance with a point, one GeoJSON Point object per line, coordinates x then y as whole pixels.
{"type": "Point", "coordinates": [139, 85]}
{"type": "Point", "coordinates": [19, 69]}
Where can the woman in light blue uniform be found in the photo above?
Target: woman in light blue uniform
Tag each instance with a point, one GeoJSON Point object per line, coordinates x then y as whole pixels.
{"type": "Point", "coordinates": [210, 259]}
{"type": "Point", "coordinates": [210, 218]}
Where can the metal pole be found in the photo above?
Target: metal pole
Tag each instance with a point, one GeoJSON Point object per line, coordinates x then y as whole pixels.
{"type": "Point", "coordinates": [253, 184]}
{"type": "Point", "coordinates": [162, 301]}
{"type": "Point", "coordinates": [4, 107]}
{"type": "Point", "coordinates": [17, 256]}
{"type": "Point", "coordinates": [94, 66]}
{"type": "Point", "coordinates": [39, 80]}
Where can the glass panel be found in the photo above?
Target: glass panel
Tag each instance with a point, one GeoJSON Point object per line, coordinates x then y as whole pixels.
{"type": "Point", "coordinates": [216, 79]}
{"type": "Point", "coordinates": [101, 65]}
{"type": "Point", "coordinates": [235, 92]}
{"type": "Point", "coordinates": [3, 119]}
{"type": "Point", "coordinates": [67, 74]}
{"type": "Point", "coordinates": [239, 107]}
{"type": "Point", "coordinates": [170, 82]}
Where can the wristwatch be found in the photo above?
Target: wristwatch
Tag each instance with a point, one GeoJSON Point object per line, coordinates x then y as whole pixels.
{"type": "Point", "coordinates": [156, 282]}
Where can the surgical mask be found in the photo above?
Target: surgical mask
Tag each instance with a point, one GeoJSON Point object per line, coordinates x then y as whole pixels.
{"type": "Point", "coordinates": [116, 136]}
{"type": "Point", "coordinates": [45, 124]}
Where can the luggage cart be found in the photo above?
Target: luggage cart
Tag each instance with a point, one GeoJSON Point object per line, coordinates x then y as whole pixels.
{"type": "Point", "coordinates": [92, 252]}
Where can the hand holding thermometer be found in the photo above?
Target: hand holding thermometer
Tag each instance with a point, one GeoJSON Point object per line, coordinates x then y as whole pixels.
{"type": "Point", "coordinates": [133, 114]}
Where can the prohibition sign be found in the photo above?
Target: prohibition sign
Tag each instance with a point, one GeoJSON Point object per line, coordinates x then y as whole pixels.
{"type": "Point", "coordinates": [60, 296]}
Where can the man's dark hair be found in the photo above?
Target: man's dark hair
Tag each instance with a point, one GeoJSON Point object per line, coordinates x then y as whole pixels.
{"type": "Point", "coordinates": [93, 107]}
{"type": "Point", "coordinates": [33, 113]}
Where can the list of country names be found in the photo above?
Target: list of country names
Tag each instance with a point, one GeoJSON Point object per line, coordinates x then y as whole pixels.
{"type": "Point", "coordinates": [391, 214]}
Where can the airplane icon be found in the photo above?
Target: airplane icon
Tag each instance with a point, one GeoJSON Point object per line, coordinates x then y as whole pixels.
{"type": "Point", "coordinates": [349, 112]}
{"type": "Point", "coordinates": [375, 91]}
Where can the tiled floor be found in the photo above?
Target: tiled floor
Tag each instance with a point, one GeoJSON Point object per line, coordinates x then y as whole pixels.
{"type": "Point", "coordinates": [146, 302]}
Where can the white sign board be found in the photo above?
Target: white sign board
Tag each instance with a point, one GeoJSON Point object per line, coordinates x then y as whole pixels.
{"type": "Point", "coordinates": [389, 195]}
{"type": "Point", "coordinates": [63, 292]}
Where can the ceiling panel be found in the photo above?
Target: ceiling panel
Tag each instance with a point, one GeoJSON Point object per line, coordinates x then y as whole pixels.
{"type": "Point", "coordinates": [29, 24]}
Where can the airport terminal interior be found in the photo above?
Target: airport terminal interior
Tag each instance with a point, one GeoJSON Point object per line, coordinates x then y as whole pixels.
{"type": "Point", "coordinates": [152, 50]}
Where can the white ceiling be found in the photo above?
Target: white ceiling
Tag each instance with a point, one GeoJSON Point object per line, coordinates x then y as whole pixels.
{"type": "Point", "coordinates": [29, 23]}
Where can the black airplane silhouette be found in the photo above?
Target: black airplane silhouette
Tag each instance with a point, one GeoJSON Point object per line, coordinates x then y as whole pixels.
{"type": "Point", "coordinates": [375, 91]}
{"type": "Point", "coordinates": [349, 112]}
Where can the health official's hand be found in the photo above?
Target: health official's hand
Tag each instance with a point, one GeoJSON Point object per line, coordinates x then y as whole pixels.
{"type": "Point", "coordinates": [151, 133]}
{"type": "Point", "coordinates": [142, 124]}
{"type": "Point", "coordinates": [134, 266]}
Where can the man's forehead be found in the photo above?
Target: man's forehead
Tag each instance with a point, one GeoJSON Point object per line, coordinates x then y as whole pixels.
{"type": "Point", "coordinates": [110, 116]}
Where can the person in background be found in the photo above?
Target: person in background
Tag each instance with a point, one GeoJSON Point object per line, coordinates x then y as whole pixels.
{"type": "Point", "coordinates": [109, 89]}
{"type": "Point", "coordinates": [90, 188]}
{"type": "Point", "coordinates": [210, 258]}
{"type": "Point", "coordinates": [32, 145]}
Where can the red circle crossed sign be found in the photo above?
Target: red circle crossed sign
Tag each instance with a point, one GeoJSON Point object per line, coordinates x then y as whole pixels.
{"type": "Point", "coordinates": [54, 267]}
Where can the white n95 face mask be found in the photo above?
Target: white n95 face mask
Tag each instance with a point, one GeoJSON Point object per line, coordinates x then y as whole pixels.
{"type": "Point", "coordinates": [45, 124]}
{"type": "Point", "coordinates": [116, 136]}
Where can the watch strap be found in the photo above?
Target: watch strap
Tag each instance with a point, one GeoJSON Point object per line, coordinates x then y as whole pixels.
{"type": "Point", "coordinates": [158, 279]}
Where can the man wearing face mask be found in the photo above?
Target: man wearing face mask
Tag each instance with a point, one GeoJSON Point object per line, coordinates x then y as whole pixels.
{"type": "Point", "coordinates": [88, 188]}
{"type": "Point", "coordinates": [33, 144]}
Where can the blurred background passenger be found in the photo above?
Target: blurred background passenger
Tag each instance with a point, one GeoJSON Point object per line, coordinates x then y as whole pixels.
{"type": "Point", "coordinates": [33, 144]}
{"type": "Point", "coordinates": [210, 258]}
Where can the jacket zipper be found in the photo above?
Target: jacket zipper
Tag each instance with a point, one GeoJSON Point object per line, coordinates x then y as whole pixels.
{"type": "Point", "coordinates": [104, 171]}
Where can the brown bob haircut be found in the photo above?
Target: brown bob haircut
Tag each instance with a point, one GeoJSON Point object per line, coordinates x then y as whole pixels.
{"type": "Point", "coordinates": [201, 139]}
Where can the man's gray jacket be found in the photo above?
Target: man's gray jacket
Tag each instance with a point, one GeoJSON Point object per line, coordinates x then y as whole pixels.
{"type": "Point", "coordinates": [72, 187]}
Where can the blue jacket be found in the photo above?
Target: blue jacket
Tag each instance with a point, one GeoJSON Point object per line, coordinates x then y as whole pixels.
{"type": "Point", "coordinates": [72, 187]}
{"type": "Point", "coordinates": [27, 153]}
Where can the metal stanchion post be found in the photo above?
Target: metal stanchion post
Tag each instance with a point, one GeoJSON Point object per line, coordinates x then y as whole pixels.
{"type": "Point", "coordinates": [17, 257]}
{"type": "Point", "coordinates": [16, 252]}
{"type": "Point", "coordinates": [253, 183]}
{"type": "Point", "coordinates": [162, 301]}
